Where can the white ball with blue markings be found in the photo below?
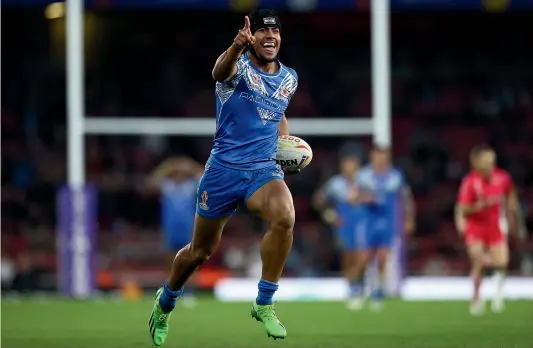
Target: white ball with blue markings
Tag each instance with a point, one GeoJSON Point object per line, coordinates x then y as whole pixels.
{"type": "Point", "coordinates": [293, 153]}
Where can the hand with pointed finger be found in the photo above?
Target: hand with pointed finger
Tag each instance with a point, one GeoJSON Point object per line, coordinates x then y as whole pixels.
{"type": "Point", "coordinates": [244, 37]}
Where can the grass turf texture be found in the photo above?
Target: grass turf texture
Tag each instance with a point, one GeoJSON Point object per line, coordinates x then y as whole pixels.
{"type": "Point", "coordinates": [60, 324]}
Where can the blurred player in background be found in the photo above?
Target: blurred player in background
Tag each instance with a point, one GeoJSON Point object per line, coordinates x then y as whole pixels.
{"type": "Point", "coordinates": [339, 201]}
{"type": "Point", "coordinates": [486, 198]}
{"type": "Point", "coordinates": [253, 91]}
{"type": "Point", "coordinates": [176, 179]}
{"type": "Point", "coordinates": [390, 193]}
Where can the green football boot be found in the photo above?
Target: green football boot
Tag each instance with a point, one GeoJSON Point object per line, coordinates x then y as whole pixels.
{"type": "Point", "coordinates": [158, 323]}
{"type": "Point", "coordinates": [267, 315]}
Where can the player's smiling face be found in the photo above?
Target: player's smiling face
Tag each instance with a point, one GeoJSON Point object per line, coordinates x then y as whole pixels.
{"type": "Point", "coordinates": [267, 42]}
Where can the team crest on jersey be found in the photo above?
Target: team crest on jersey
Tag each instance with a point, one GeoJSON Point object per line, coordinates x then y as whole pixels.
{"type": "Point", "coordinates": [286, 88]}
{"type": "Point", "coordinates": [254, 82]}
{"type": "Point", "coordinates": [203, 204]}
{"type": "Point", "coordinates": [266, 115]}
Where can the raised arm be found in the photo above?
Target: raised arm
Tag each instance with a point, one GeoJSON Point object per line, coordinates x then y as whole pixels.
{"type": "Point", "coordinates": [163, 170]}
{"type": "Point", "coordinates": [226, 65]}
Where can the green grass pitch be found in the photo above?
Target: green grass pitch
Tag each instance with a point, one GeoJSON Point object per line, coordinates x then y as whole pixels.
{"type": "Point", "coordinates": [70, 324]}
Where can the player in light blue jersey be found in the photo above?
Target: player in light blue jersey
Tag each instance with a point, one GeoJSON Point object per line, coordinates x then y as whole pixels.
{"type": "Point", "coordinates": [392, 201]}
{"type": "Point", "coordinates": [340, 202]}
{"type": "Point", "coordinates": [253, 91]}
{"type": "Point", "coordinates": [176, 179]}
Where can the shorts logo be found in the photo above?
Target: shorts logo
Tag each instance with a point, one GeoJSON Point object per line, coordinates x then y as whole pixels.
{"type": "Point", "coordinates": [278, 172]}
{"type": "Point", "coordinates": [203, 203]}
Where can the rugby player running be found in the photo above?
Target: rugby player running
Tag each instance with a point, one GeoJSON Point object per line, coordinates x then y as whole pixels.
{"type": "Point", "coordinates": [389, 189]}
{"type": "Point", "coordinates": [253, 90]}
{"type": "Point", "coordinates": [487, 196]}
{"type": "Point", "coordinates": [340, 202]}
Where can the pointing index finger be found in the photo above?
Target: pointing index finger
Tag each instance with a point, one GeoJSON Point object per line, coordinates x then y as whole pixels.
{"type": "Point", "coordinates": [246, 22]}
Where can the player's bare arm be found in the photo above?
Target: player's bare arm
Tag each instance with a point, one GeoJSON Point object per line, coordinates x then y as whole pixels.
{"type": "Point", "coordinates": [283, 126]}
{"type": "Point", "coordinates": [459, 219]}
{"type": "Point", "coordinates": [409, 208]}
{"type": "Point", "coordinates": [328, 213]}
{"type": "Point", "coordinates": [161, 172]}
{"type": "Point", "coordinates": [513, 206]}
{"type": "Point", "coordinates": [226, 65]}
{"type": "Point", "coordinates": [467, 209]}
{"type": "Point", "coordinates": [193, 168]}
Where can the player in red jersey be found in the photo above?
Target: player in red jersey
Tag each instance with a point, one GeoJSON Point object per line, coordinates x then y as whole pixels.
{"type": "Point", "coordinates": [486, 198]}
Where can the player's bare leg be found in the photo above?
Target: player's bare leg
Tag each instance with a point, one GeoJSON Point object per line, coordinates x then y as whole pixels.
{"type": "Point", "coordinates": [348, 261]}
{"type": "Point", "coordinates": [273, 203]}
{"type": "Point", "coordinates": [206, 236]}
{"type": "Point", "coordinates": [499, 254]}
{"type": "Point", "coordinates": [382, 256]}
{"type": "Point", "coordinates": [477, 260]}
{"type": "Point", "coordinates": [355, 276]}
{"type": "Point", "coordinates": [187, 299]}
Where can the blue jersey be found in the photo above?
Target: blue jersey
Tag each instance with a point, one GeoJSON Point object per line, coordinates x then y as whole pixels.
{"type": "Point", "coordinates": [351, 228]}
{"type": "Point", "coordinates": [337, 191]}
{"type": "Point", "coordinates": [178, 206]}
{"type": "Point", "coordinates": [386, 189]}
{"type": "Point", "coordinates": [249, 108]}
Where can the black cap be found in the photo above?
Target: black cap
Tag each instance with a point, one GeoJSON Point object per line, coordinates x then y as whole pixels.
{"type": "Point", "coordinates": [263, 18]}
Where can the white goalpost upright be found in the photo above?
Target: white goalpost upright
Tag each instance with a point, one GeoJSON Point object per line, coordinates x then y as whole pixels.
{"type": "Point", "coordinates": [79, 125]}
{"type": "Point", "coordinates": [75, 93]}
{"type": "Point", "coordinates": [380, 63]}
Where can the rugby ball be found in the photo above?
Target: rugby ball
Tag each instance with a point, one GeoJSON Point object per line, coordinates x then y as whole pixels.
{"type": "Point", "coordinates": [293, 153]}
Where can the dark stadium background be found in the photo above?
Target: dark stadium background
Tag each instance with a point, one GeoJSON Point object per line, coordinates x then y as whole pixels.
{"type": "Point", "coordinates": [462, 73]}
{"type": "Point", "coordinates": [458, 78]}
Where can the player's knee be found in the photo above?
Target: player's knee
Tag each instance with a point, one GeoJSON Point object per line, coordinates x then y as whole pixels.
{"type": "Point", "coordinates": [499, 257]}
{"type": "Point", "coordinates": [283, 218]}
{"type": "Point", "coordinates": [199, 254]}
{"type": "Point", "coordinates": [363, 257]}
{"type": "Point", "coordinates": [382, 263]}
{"type": "Point", "coordinates": [382, 258]}
{"type": "Point", "coordinates": [478, 262]}
{"type": "Point", "coordinates": [500, 262]}
{"type": "Point", "coordinates": [476, 254]}
{"type": "Point", "coordinates": [500, 265]}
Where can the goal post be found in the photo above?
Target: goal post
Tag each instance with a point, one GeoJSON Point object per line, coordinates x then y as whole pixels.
{"type": "Point", "coordinates": [76, 203]}
{"type": "Point", "coordinates": [206, 126]}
